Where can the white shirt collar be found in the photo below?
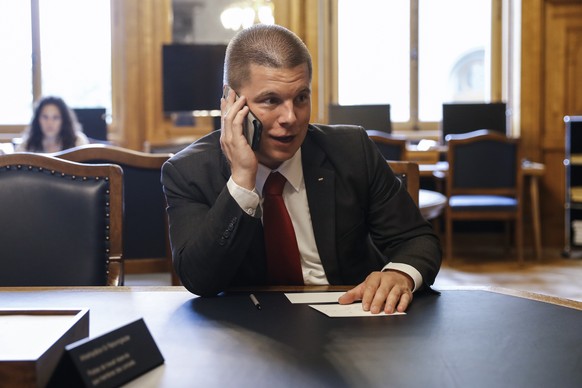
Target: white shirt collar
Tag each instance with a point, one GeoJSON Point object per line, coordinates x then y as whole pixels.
{"type": "Point", "coordinates": [291, 169]}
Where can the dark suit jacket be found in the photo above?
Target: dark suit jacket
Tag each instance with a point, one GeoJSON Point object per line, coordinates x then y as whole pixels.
{"type": "Point", "coordinates": [362, 215]}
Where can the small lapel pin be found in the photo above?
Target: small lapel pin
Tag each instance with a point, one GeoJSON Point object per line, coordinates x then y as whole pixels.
{"type": "Point", "coordinates": [320, 179]}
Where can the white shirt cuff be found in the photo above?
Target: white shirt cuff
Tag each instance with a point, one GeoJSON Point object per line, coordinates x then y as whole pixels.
{"type": "Point", "coordinates": [407, 269]}
{"type": "Point", "coordinates": [246, 199]}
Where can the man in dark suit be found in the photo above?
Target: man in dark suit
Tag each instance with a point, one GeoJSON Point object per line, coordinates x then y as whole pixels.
{"type": "Point", "coordinates": [355, 222]}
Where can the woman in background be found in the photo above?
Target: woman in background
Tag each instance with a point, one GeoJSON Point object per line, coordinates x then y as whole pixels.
{"type": "Point", "coordinates": [54, 127]}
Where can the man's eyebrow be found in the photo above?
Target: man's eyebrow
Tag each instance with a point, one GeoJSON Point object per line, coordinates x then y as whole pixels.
{"type": "Point", "coordinates": [267, 94]}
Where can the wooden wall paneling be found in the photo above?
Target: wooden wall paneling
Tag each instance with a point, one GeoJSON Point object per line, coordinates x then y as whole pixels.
{"type": "Point", "coordinates": [554, 98]}
{"type": "Point", "coordinates": [553, 136]}
{"type": "Point", "coordinates": [118, 103]}
{"type": "Point", "coordinates": [147, 78]}
{"type": "Point", "coordinates": [563, 26]}
{"type": "Point", "coordinates": [550, 63]}
{"type": "Point", "coordinates": [553, 194]}
{"type": "Point", "coordinates": [158, 33]}
{"type": "Point", "coordinates": [563, 53]}
{"type": "Point", "coordinates": [314, 39]}
{"type": "Point", "coordinates": [496, 47]}
{"type": "Point", "coordinates": [126, 65]}
{"type": "Point", "coordinates": [531, 78]}
{"type": "Point", "coordinates": [531, 114]}
{"type": "Point", "coordinates": [139, 29]}
{"type": "Point", "coordinates": [303, 17]}
{"type": "Point", "coordinates": [574, 67]}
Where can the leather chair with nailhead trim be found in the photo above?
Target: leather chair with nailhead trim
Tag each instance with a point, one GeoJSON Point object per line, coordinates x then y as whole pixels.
{"type": "Point", "coordinates": [61, 222]}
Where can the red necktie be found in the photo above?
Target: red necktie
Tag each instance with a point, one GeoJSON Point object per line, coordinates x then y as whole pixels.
{"type": "Point", "coordinates": [283, 260]}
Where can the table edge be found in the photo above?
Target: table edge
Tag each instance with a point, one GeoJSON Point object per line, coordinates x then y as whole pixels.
{"type": "Point", "coordinates": [499, 290]}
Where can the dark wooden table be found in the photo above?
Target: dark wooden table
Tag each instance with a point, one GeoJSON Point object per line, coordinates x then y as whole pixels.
{"type": "Point", "coordinates": [474, 337]}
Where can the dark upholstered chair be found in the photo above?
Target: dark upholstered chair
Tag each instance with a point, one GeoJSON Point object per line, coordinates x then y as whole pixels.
{"type": "Point", "coordinates": [484, 182]}
{"type": "Point", "coordinates": [170, 146]}
{"type": "Point", "coordinates": [409, 175]}
{"type": "Point", "coordinates": [461, 118]}
{"type": "Point", "coordinates": [393, 148]}
{"type": "Point", "coordinates": [93, 121]}
{"type": "Point", "coordinates": [376, 117]}
{"type": "Point", "coordinates": [146, 247]}
{"type": "Point", "coordinates": [62, 222]}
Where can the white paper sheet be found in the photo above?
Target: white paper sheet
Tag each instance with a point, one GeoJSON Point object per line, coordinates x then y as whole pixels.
{"type": "Point", "coordinates": [331, 308]}
{"type": "Point", "coordinates": [348, 310]}
{"type": "Point", "coordinates": [314, 297]}
{"type": "Point", "coordinates": [27, 337]}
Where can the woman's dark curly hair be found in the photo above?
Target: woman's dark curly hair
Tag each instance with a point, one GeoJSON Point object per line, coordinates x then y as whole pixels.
{"type": "Point", "coordinates": [69, 125]}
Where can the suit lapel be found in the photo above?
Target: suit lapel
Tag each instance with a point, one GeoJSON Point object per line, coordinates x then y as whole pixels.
{"type": "Point", "coordinates": [320, 188]}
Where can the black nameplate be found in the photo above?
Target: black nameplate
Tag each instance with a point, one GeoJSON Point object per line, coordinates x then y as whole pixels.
{"type": "Point", "coordinates": [110, 360]}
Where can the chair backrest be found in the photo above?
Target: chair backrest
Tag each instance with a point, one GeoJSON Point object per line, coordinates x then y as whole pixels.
{"type": "Point", "coordinates": [62, 222]}
{"type": "Point", "coordinates": [391, 147]}
{"type": "Point", "coordinates": [145, 231]}
{"type": "Point", "coordinates": [172, 146]}
{"type": "Point", "coordinates": [93, 122]}
{"type": "Point", "coordinates": [409, 175]}
{"type": "Point", "coordinates": [467, 117]}
{"type": "Point", "coordinates": [368, 116]}
{"type": "Point", "coordinates": [484, 162]}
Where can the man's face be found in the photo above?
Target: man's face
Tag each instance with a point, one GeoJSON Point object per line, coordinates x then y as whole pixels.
{"type": "Point", "coordinates": [281, 100]}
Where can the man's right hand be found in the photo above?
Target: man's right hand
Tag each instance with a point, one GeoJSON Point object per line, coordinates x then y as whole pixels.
{"type": "Point", "coordinates": [242, 159]}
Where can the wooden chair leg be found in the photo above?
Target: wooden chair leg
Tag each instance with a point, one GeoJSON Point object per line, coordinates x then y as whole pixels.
{"type": "Point", "coordinates": [448, 238]}
{"type": "Point", "coordinates": [519, 239]}
{"type": "Point", "coordinates": [507, 230]}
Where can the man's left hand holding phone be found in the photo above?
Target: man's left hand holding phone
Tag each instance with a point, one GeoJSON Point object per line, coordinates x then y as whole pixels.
{"type": "Point", "coordinates": [239, 143]}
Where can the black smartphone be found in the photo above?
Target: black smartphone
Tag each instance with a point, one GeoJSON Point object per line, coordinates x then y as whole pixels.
{"type": "Point", "coordinates": [252, 127]}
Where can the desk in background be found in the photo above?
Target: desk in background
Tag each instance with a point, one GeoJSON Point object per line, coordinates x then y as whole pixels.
{"type": "Point", "coordinates": [463, 338]}
{"type": "Point", "coordinates": [431, 203]}
{"type": "Point", "coordinates": [6, 148]}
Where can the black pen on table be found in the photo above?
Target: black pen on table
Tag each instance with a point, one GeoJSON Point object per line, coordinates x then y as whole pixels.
{"type": "Point", "coordinates": [255, 301]}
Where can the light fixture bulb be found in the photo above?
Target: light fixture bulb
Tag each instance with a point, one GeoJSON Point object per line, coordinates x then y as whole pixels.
{"type": "Point", "coordinates": [246, 13]}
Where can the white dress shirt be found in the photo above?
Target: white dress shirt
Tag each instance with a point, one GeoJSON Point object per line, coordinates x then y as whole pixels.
{"type": "Point", "coordinates": [295, 198]}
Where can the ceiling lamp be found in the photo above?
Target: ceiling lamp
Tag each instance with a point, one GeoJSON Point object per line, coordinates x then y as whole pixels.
{"type": "Point", "coordinates": [244, 14]}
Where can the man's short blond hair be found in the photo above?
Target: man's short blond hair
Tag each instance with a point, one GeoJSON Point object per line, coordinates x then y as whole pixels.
{"type": "Point", "coordinates": [264, 45]}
